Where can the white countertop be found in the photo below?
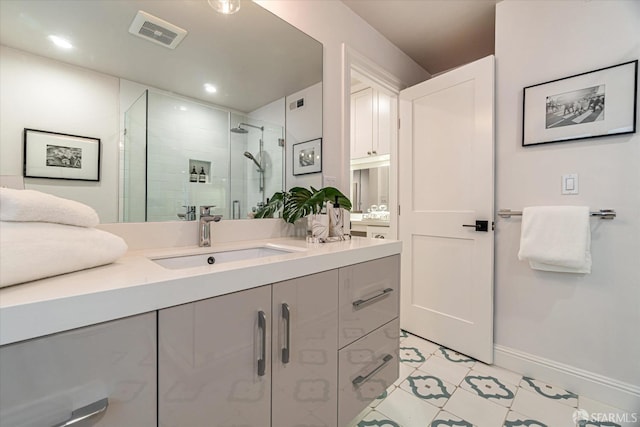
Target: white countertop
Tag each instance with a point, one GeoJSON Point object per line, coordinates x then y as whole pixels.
{"type": "Point", "coordinates": [134, 284]}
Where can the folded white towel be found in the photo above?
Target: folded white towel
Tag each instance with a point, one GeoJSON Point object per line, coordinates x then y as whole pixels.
{"type": "Point", "coordinates": [33, 250]}
{"type": "Point", "coordinates": [556, 238]}
{"type": "Point", "coordinates": [31, 205]}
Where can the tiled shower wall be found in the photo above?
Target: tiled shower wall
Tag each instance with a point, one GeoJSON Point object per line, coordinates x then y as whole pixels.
{"type": "Point", "coordinates": [179, 131]}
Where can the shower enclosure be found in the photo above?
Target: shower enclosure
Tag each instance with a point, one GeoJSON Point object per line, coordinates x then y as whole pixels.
{"type": "Point", "coordinates": [179, 153]}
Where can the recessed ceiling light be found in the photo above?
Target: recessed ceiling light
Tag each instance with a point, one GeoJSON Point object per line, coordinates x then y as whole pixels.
{"type": "Point", "coordinates": [60, 42]}
{"type": "Point", "coordinates": [210, 88]}
{"type": "Point", "coordinates": [183, 108]}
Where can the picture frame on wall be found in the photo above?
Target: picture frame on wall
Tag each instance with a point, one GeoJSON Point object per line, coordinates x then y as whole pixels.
{"type": "Point", "coordinates": [594, 104]}
{"type": "Point", "coordinates": [307, 157]}
{"type": "Point", "coordinates": [56, 155]}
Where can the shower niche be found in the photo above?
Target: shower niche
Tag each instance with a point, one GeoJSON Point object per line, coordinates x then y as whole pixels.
{"type": "Point", "coordinates": [199, 171]}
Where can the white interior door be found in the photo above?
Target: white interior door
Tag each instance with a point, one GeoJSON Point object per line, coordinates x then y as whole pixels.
{"type": "Point", "coordinates": [446, 185]}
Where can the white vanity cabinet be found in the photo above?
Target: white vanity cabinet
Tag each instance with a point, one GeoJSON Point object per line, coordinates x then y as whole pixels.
{"type": "Point", "coordinates": [214, 367]}
{"type": "Point", "coordinates": [55, 379]}
{"type": "Point", "coordinates": [306, 350]}
{"type": "Point", "coordinates": [261, 357]}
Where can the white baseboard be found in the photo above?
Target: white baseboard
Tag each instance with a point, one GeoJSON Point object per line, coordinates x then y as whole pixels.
{"type": "Point", "coordinates": [584, 383]}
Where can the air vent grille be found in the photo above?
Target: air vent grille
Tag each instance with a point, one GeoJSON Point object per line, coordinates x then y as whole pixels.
{"type": "Point", "coordinates": [156, 30]}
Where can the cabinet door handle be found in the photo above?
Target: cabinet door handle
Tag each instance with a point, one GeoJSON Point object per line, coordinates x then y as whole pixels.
{"type": "Point", "coordinates": [360, 379]}
{"type": "Point", "coordinates": [85, 412]}
{"type": "Point", "coordinates": [286, 316]}
{"type": "Point", "coordinates": [262, 325]}
{"type": "Point", "coordinates": [357, 304]}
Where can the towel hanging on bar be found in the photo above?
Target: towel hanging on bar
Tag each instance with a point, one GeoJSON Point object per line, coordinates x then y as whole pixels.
{"type": "Point", "coordinates": [556, 238]}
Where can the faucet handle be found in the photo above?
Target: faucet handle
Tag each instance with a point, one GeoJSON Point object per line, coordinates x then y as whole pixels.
{"type": "Point", "coordinates": [205, 210]}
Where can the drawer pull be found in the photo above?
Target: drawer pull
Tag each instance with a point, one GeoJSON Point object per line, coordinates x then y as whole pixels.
{"type": "Point", "coordinates": [286, 316]}
{"type": "Point", "coordinates": [360, 379]}
{"type": "Point", "coordinates": [88, 411]}
{"type": "Point", "coordinates": [262, 325]}
{"type": "Point", "coordinates": [357, 304]}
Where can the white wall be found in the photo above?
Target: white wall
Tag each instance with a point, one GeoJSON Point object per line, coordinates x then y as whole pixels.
{"type": "Point", "coordinates": [44, 94]}
{"type": "Point", "coordinates": [304, 124]}
{"type": "Point", "coordinates": [332, 23]}
{"type": "Point", "coordinates": [588, 322]}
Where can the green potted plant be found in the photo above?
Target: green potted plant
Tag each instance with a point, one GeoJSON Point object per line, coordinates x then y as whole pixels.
{"type": "Point", "coordinates": [299, 202]}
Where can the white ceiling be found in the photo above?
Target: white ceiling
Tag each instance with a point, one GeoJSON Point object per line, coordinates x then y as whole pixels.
{"type": "Point", "coordinates": [437, 34]}
{"type": "Point", "coordinates": [252, 57]}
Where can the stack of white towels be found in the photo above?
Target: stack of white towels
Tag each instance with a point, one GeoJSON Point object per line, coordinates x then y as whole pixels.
{"type": "Point", "coordinates": [43, 235]}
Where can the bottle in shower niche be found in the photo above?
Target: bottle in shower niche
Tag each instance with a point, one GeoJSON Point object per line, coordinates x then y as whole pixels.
{"type": "Point", "coordinates": [193, 177]}
{"type": "Point", "coordinates": [202, 177]}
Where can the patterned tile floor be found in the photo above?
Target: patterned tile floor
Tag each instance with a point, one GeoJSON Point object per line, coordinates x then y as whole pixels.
{"type": "Point", "coordinates": [439, 387]}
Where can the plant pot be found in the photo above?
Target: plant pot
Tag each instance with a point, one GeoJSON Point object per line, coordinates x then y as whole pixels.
{"type": "Point", "coordinates": [319, 225]}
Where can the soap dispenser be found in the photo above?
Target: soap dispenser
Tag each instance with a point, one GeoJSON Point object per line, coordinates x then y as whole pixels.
{"type": "Point", "coordinates": [202, 177]}
{"type": "Point", "coordinates": [193, 177]}
{"type": "Point", "coordinates": [336, 220]}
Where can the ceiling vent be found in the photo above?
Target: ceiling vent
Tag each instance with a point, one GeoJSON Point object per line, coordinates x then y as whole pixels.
{"type": "Point", "coordinates": [156, 30]}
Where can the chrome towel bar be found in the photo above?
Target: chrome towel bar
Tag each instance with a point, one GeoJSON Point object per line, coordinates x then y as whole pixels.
{"type": "Point", "coordinates": [602, 213]}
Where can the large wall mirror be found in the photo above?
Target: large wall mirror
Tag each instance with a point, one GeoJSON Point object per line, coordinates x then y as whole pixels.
{"type": "Point", "coordinates": [203, 110]}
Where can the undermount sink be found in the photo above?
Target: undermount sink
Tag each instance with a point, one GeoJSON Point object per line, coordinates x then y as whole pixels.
{"type": "Point", "coordinates": [217, 257]}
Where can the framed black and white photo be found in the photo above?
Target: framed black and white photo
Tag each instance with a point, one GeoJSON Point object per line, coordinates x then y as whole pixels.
{"type": "Point", "coordinates": [588, 105]}
{"type": "Point", "coordinates": [61, 156]}
{"type": "Point", "coordinates": [307, 157]}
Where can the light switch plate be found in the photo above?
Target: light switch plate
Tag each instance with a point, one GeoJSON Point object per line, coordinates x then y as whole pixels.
{"type": "Point", "coordinates": [570, 183]}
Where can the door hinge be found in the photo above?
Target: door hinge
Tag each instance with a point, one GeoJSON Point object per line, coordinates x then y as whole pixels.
{"type": "Point", "coordinates": [398, 122]}
{"type": "Point", "coordinates": [398, 210]}
{"type": "Point", "coordinates": [125, 131]}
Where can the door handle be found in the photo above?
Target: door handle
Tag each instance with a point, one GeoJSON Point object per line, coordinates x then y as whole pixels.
{"type": "Point", "coordinates": [286, 316]}
{"type": "Point", "coordinates": [85, 412]}
{"type": "Point", "coordinates": [262, 325]}
{"type": "Point", "coordinates": [480, 225]}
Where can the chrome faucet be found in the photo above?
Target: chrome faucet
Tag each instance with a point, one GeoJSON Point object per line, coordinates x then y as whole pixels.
{"type": "Point", "coordinates": [189, 214]}
{"type": "Point", "coordinates": [205, 225]}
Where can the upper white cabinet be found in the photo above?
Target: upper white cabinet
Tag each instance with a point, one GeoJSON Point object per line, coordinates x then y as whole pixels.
{"type": "Point", "coordinates": [371, 125]}
{"type": "Point", "coordinates": [104, 372]}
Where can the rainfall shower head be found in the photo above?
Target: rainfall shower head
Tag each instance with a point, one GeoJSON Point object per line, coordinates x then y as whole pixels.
{"type": "Point", "coordinates": [240, 129]}
{"type": "Point", "coordinates": [249, 156]}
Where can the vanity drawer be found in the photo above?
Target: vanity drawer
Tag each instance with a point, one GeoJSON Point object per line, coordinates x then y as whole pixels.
{"type": "Point", "coordinates": [44, 380]}
{"type": "Point", "coordinates": [366, 369]}
{"type": "Point", "coordinates": [368, 297]}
